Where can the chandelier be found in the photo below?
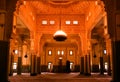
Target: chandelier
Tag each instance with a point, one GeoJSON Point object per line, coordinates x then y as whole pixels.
{"type": "Point", "coordinates": [60, 35]}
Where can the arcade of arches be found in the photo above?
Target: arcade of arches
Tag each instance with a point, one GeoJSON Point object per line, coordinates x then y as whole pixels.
{"type": "Point", "coordinates": [92, 44]}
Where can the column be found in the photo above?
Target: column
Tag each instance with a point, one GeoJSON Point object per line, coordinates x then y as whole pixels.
{"type": "Point", "coordinates": [108, 44]}
{"type": "Point", "coordinates": [33, 65]}
{"type": "Point", "coordinates": [33, 55]}
{"type": "Point", "coordinates": [87, 65]}
{"type": "Point", "coordinates": [82, 65]}
{"type": "Point", "coordinates": [11, 57]}
{"type": "Point", "coordinates": [87, 69]}
{"type": "Point", "coordinates": [108, 48]}
{"type": "Point", "coordinates": [109, 65]}
{"type": "Point", "coordinates": [8, 7]}
{"type": "Point", "coordinates": [19, 65]}
{"type": "Point", "coordinates": [38, 36]}
{"type": "Point", "coordinates": [113, 13]}
{"type": "Point", "coordinates": [4, 55]}
{"type": "Point", "coordinates": [38, 65]}
{"type": "Point", "coordinates": [101, 65]}
{"type": "Point", "coordinates": [101, 57]}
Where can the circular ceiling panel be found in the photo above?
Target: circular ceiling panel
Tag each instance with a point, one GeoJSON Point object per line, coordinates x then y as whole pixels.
{"type": "Point", "coordinates": [62, 2]}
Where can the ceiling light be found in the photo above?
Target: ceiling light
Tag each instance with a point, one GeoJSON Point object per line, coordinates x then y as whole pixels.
{"type": "Point", "coordinates": [60, 35]}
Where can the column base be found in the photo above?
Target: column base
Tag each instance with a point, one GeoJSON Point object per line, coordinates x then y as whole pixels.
{"type": "Point", "coordinates": [39, 72]}
{"type": "Point", "coordinates": [101, 73]}
{"type": "Point", "coordinates": [87, 74]}
{"type": "Point", "coordinates": [18, 73]}
{"type": "Point", "coordinates": [81, 72]}
{"type": "Point", "coordinates": [11, 74]}
{"type": "Point", "coordinates": [33, 74]}
{"type": "Point", "coordinates": [5, 81]}
{"type": "Point", "coordinates": [109, 74]}
{"type": "Point", "coordinates": [114, 81]}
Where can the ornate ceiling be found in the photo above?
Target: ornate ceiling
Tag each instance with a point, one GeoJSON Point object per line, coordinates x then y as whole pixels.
{"type": "Point", "coordinates": [31, 10]}
{"type": "Point", "coordinates": [59, 6]}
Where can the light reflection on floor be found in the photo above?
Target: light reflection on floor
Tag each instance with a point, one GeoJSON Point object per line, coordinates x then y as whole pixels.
{"type": "Point", "coordinates": [59, 77]}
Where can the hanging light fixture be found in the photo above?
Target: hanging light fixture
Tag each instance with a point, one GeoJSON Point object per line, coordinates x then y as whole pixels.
{"type": "Point", "coordinates": [60, 35]}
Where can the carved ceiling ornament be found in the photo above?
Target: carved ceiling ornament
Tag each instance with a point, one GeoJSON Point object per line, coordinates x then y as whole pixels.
{"type": "Point", "coordinates": [62, 2]}
{"type": "Point", "coordinates": [52, 6]}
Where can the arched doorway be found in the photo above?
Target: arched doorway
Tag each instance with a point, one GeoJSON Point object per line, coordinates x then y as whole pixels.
{"type": "Point", "coordinates": [55, 54]}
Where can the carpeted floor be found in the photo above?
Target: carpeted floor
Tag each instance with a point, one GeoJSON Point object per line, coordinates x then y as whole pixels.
{"type": "Point", "coordinates": [60, 77]}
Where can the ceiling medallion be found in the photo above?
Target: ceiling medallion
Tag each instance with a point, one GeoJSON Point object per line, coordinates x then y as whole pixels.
{"type": "Point", "coordinates": [61, 2]}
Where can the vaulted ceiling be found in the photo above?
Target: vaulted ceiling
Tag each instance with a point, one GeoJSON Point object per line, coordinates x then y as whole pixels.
{"type": "Point", "coordinates": [30, 10]}
{"type": "Point", "coordinates": [59, 6]}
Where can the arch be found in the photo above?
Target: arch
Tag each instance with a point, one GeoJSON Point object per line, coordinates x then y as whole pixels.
{"type": "Point", "coordinates": [47, 43]}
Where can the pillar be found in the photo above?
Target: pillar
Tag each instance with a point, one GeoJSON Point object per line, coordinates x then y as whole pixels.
{"type": "Point", "coordinates": [109, 65]}
{"type": "Point", "coordinates": [4, 55]}
{"type": "Point", "coordinates": [116, 61]}
{"type": "Point", "coordinates": [8, 8]}
{"type": "Point", "coordinates": [11, 57]}
{"type": "Point", "coordinates": [19, 66]}
{"type": "Point", "coordinates": [101, 66]}
{"type": "Point", "coordinates": [113, 14]}
{"type": "Point", "coordinates": [33, 65]}
{"type": "Point", "coordinates": [101, 57]}
{"type": "Point", "coordinates": [108, 48]}
{"type": "Point", "coordinates": [38, 65]}
{"type": "Point", "coordinates": [87, 65]}
{"type": "Point", "coordinates": [33, 55]}
{"type": "Point", "coordinates": [38, 51]}
{"type": "Point", "coordinates": [108, 44]}
{"type": "Point", "coordinates": [81, 65]}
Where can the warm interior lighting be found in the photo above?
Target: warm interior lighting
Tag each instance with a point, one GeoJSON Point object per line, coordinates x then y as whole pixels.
{"type": "Point", "coordinates": [16, 51]}
{"type": "Point", "coordinates": [24, 2]}
{"type": "Point", "coordinates": [60, 35]}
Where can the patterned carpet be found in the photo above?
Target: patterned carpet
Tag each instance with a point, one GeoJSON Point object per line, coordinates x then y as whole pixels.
{"type": "Point", "coordinates": [54, 77]}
